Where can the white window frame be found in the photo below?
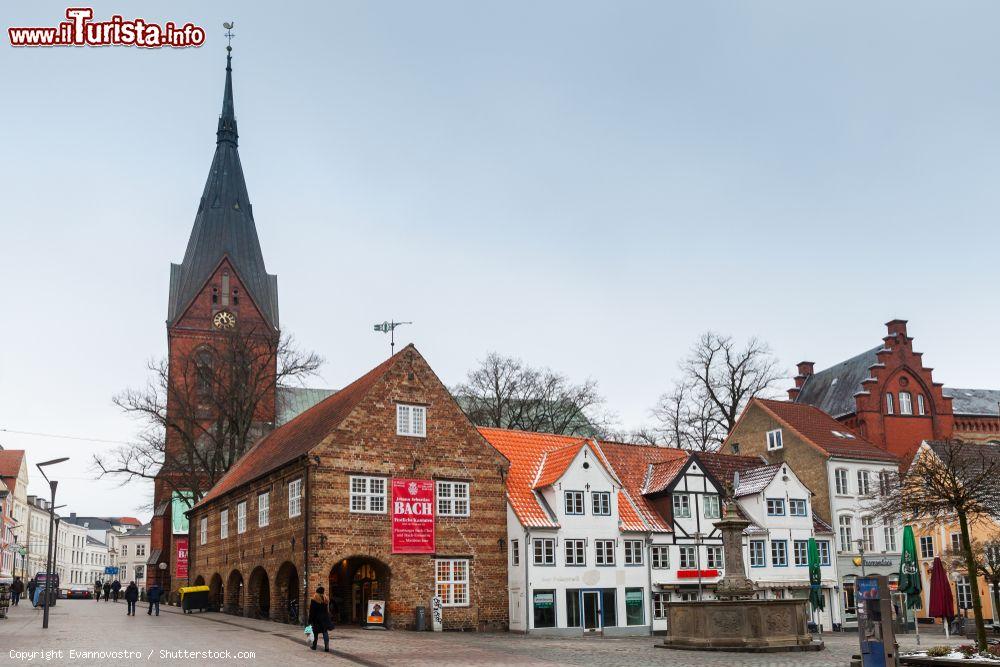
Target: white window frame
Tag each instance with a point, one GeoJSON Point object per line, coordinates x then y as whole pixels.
{"type": "Point", "coordinates": [921, 406]}
{"type": "Point", "coordinates": [573, 503]}
{"type": "Point", "coordinates": [775, 440]}
{"type": "Point", "coordinates": [203, 531]}
{"type": "Point", "coordinates": [363, 499]}
{"type": "Point", "coordinates": [682, 505]}
{"type": "Point", "coordinates": [543, 551]}
{"type": "Point", "coordinates": [140, 550]}
{"type": "Point", "coordinates": [824, 552]}
{"type": "Point", "coordinates": [661, 601]}
{"type": "Point", "coordinates": [241, 517]}
{"type": "Point", "coordinates": [889, 535]}
{"type": "Point", "coordinates": [889, 409]}
{"type": "Point", "coordinates": [604, 552]}
{"type": "Point", "coordinates": [714, 558]}
{"type": "Point", "coordinates": [800, 503]}
{"type": "Point", "coordinates": [800, 553]}
{"type": "Point", "coordinates": [660, 557]}
{"type": "Point", "coordinates": [711, 501]}
{"type": "Point", "coordinates": [600, 503]}
{"type": "Point", "coordinates": [295, 498]}
{"type": "Point", "coordinates": [926, 543]}
{"type": "Point", "coordinates": [864, 483]}
{"type": "Point", "coordinates": [905, 403]}
{"type": "Point", "coordinates": [845, 532]}
{"type": "Point", "coordinates": [515, 552]}
{"type": "Point", "coordinates": [779, 556]}
{"type": "Point", "coordinates": [778, 505]}
{"type": "Point", "coordinates": [451, 581]}
{"type": "Point", "coordinates": [868, 533]}
{"type": "Point", "coordinates": [687, 557]}
{"type": "Point", "coordinates": [633, 552]}
{"type": "Point", "coordinates": [963, 592]}
{"type": "Point", "coordinates": [411, 420]}
{"type": "Point", "coordinates": [575, 552]}
{"type": "Point", "coordinates": [263, 509]}
{"type": "Point", "coordinates": [223, 524]}
{"type": "Point", "coordinates": [452, 498]}
{"type": "Point", "coordinates": [842, 480]}
{"type": "Point", "coordinates": [758, 553]}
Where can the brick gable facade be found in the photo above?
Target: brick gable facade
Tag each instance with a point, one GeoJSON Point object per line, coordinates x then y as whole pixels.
{"type": "Point", "coordinates": [350, 553]}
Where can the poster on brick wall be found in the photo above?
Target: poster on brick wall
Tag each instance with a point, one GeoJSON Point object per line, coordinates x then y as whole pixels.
{"type": "Point", "coordinates": [412, 516]}
{"type": "Point", "coordinates": [182, 557]}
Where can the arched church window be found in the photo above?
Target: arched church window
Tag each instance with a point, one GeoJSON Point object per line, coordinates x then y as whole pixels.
{"type": "Point", "coordinates": [921, 408]}
{"type": "Point", "coordinates": [905, 403]}
{"type": "Point", "coordinates": [215, 295]}
{"type": "Point", "coordinates": [236, 297]}
{"type": "Point", "coordinates": [225, 288]}
{"type": "Point", "coordinates": [888, 404]}
{"type": "Point", "coordinates": [204, 366]}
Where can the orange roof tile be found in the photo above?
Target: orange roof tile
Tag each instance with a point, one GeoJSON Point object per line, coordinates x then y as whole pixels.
{"type": "Point", "coordinates": [631, 464]}
{"type": "Point", "coordinates": [10, 466]}
{"type": "Point", "coordinates": [821, 430]}
{"type": "Point", "coordinates": [554, 463]}
{"type": "Point", "coordinates": [300, 435]}
{"type": "Point", "coordinates": [628, 517]}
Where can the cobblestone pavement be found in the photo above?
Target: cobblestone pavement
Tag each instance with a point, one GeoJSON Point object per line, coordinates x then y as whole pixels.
{"type": "Point", "coordinates": [84, 625]}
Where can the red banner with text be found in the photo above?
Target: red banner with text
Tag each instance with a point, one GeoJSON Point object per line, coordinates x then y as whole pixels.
{"type": "Point", "coordinates": [182, 557]}
{"type": "Point", "coordinates": [412, 516]}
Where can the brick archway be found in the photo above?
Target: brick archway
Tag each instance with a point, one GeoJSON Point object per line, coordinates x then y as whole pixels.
{"type": "Point", "coordinates": [233, 600]}
{"type": "Point", "coordinates": [216, 591]}
{"type": "Point", "coordinates": [258, 598]}
{"type": "Point", "coordinates": [287, 607]}
{"type": "Point", "coordinates": [354, 581]}
{"type": "Point", "coordinates": [199, 581]}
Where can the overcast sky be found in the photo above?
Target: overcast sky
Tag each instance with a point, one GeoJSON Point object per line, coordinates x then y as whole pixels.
{"type": "Point", "coordinates": [585, 185]}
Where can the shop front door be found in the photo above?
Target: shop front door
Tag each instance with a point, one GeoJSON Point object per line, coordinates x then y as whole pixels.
{"type": "Point", "coordinates": [591, 611]}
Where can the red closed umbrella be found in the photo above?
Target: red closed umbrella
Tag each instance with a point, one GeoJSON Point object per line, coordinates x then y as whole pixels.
{"type": "Point", "coordinates": [942, 604]}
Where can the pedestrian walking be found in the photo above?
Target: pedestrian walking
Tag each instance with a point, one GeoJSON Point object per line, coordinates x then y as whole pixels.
{"type": "Point", "coordinates": [97, 590]}
{"type": "Point", "coordinates": [107, 590]}
{"type": "Point", "coordinates": [115, 587]}
{"type": "Point", "coordinates": [319, 618]}
{"type": "Point", "coordinates": [15, 591]}
{"type": "Point", "coordinates": [32, 585]}
{"type": "Point", "coordinates": [153, 595]}
{"type": "Point", "coordinates": [131, 595]}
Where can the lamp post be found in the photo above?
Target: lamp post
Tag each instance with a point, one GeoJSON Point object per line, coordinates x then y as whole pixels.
{"type": "Point", "coordinates": [697, 556]}
{"type": "Point", "coordinates": [861, 553]}
{"type": "Point", "coordinates": [48, 560]}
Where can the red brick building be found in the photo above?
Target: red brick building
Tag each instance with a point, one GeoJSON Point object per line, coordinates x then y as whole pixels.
{"type": "Point", "coordinates": [383, 492]}
{"type": "Point", "coordinates": [889, 397]}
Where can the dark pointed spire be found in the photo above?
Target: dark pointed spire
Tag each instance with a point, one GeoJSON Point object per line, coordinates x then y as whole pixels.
{"type": "Point", "coordinates": [224, 227]}
{"type": "Point", "coordinates": [227, 120]}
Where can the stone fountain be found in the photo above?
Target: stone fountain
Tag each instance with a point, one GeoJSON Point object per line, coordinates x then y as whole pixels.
{"type": "Point", "coordinates": [735, 622]}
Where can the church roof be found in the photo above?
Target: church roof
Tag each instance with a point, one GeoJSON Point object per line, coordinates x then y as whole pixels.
{"type": "Point", "coordinates": [293, 401]}
{"type": "Point", "coordinates": [224, 228]}
{"type": "Point", "coordinates": [985, 402]}
{"type": "Point", "coordinates": [832, 389]}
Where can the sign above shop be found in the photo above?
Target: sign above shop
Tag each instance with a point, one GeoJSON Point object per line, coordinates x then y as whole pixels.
{"type": "Point", "coordinates": [693, 574]}
{"type": "Point", "coordinates": [873, 562]}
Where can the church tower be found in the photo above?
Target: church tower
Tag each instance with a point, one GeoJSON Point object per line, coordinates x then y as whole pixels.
{"type": "Point", "coordinates": [221, 289]}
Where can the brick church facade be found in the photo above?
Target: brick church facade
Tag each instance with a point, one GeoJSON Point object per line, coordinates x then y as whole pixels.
{"type": "Point", "coordinates": [325, 500]}
{"type": "Point", "coordinates": [889, 397]}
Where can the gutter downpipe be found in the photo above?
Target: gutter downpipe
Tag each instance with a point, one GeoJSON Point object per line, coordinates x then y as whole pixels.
{"type": "Point", "coordinates": [527, 596]}
{"type": "Point", "coordinates": [649, 577]}
{"type": "Point", "coordinates": [305, 543]}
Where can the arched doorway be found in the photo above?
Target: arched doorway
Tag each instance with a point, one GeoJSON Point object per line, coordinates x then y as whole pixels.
{"type": "Point", "coordinates": [199, 581]}
{"type": "Point", "coordinates": [260, 594]}
{"type": "Point", "coordinates": [234, 594]}
{"type": "Point", "coordinates": [353, 582]}
{"type": "Point", "coordinates": [215, 592]}
{"type": "Point", "coordinates": [287, 602]}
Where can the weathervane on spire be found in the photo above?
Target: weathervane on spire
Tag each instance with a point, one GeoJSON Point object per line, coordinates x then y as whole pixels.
{"type": "Point", "coordinates": [229, 34]}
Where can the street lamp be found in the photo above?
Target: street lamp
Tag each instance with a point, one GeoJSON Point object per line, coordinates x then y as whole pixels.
{"type": "Point", "coordinates": [48, 559]}
{"type": "Point", "coordinates": [861, 553]}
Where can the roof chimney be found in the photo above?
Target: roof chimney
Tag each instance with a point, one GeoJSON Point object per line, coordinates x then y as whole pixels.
{"type": "Point", "coordinates": [805, 369]}
{"type": "Point", "coordinates": [896, 327]}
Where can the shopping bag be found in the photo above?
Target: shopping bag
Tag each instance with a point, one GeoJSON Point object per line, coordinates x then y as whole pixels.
{"type": "Point", "coordinates": [309, 634]}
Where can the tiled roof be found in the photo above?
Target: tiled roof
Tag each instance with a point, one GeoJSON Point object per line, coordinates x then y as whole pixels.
{"type": "Point", "coordinates": [554, 463]}
{"type": "Point", "coordinates": [975, 457]}
{"type": "Point", "coordinates": [832, 389]}
{"type": "Point", "coordinates": [526, 452]}
{"type": "Point", "coordinates": [821, 527]}
{"type": "Point", "coordinates": [755, 480]}
{"type": "Point", "coordinates": [982, 402]}
{"type": "Point", "coordinates": [10, 464]}
{"type": "Point", "coordinates": [297, 437]}
{"type": "Point", "coordinates": [724, 466]}
{"type": "Point", "coordinates": [631, 464]}
{"type": "Point", "coordinates": [822, 430]}
{"type": "Point", "coordinates": [141, 531]}
{"type": "Point", "coordinates": [628, 518]}
{"type": "Point", "coordinates": [660, 475]}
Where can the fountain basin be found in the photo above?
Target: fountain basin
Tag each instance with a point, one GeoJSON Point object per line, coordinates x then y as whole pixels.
{"type": "Point", "coordinates": [752, 626]}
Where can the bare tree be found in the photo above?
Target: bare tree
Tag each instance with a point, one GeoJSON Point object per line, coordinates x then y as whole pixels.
{"type": "Point", "coordinates": [718, 379]}
{"type": "Point", "coordinates": [217, 396]}
{"type": "Point", "coordinates": [948, 481]}
{"type": "Point", "coordinates": [987, 556]}
{"type": "Point", "coordinates": [504, 392]}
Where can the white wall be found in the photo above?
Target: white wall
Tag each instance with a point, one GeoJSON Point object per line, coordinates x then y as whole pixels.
{"type": "Point", "coordinates": [855, 506]}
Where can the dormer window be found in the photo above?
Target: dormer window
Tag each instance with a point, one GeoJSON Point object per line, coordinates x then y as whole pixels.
{"type": "Point", "coordinates": [905, 403]}
{"type": "Point", "coordinates": [774, 440]}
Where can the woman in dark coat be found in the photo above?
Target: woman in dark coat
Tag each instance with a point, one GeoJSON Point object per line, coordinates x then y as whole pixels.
{"type": "Point", "coordinates": [319, 618]}
{"type": "Point", "coordinates": [107, 590]}
{"type": "Point", "coordinates": [131, 595]}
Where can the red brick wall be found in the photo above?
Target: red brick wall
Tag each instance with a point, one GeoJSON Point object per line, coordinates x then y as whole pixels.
{"type": "Point", "coordinates": [366, 443]}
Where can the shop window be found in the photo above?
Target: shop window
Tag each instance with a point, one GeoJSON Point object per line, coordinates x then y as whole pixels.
{"type": "Point", "coordinates": [544, 605]}
{"type": "Point", "coordinates": [850, 605]}
{"type": "Point", "coordinates": [573, 608]}
{"type": "Point", "coordinates": [609, 607]}
{"type": "Point", "coordinates": [634, 608]}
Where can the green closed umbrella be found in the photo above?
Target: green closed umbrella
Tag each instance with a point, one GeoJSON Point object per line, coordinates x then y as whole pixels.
{"type": "Point", "coordinates": [815, 577]}
{"type": "Point", "coordinates": [909, 573]}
